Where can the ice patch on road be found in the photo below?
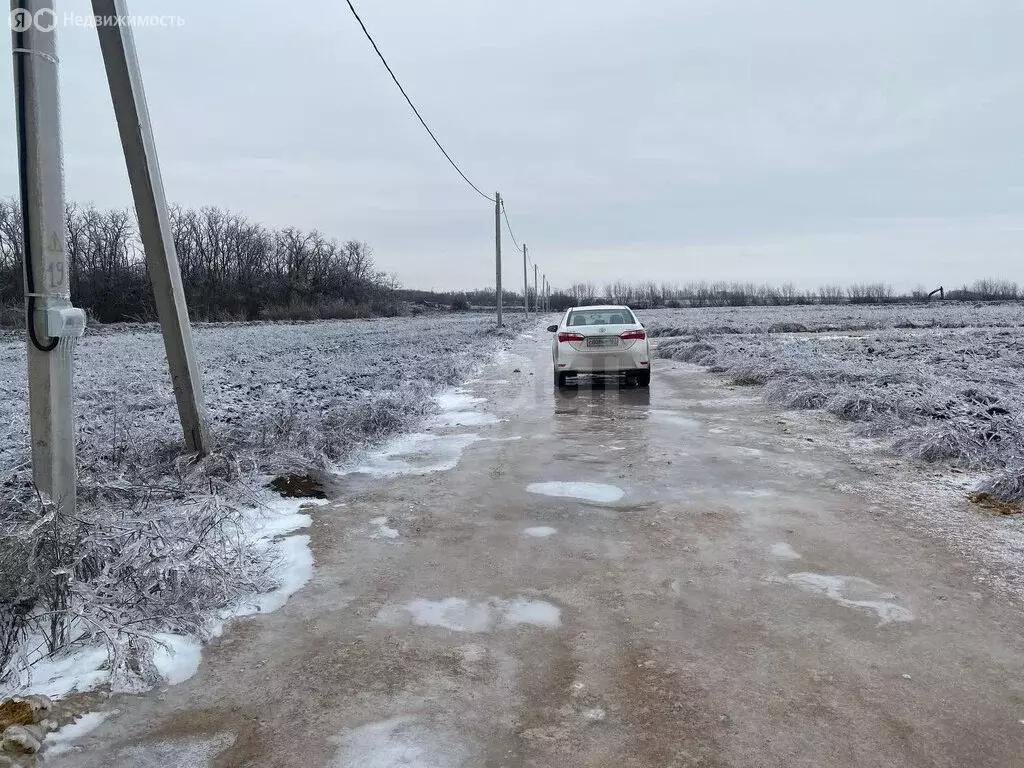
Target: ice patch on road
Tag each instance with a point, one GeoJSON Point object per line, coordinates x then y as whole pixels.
{"type": "Point", "coordinates": [63, 740]}
{"type": "Point", "coordinates": [458, 400]}
{"type": "Point", "coordinates": [540, 532]}
{"type": "Point", "coordinates": [457, 411]}
{"type": "Point", "coordinates": [417, 454]}
{"type": "Point", "coordinates": [383, 530]}
{"type": "Point", "coordinates": [401, 742]}
{"type": "Point", "coordinates": [464, 419]}
{"type": "Point", "coordinates": [677, 419]}
{"type": "Point", "coordinates": [854, 592]}
{"type": "Point", "coordinates": [595, 492]}
{"type": "Point", "coordinates": [194, 752]}
{"type": "Point", "coordinates": [461, 615]}
{"type": "Point", "coordinates": [783, 551]}
{"type": "Point", "coordinates": [756, 493]}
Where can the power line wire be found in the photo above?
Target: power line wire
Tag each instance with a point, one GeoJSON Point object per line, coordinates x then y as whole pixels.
{"type": "Point", "coordinates": [413, 106]}
{"type": "Point", "coordinates": [504, 213]}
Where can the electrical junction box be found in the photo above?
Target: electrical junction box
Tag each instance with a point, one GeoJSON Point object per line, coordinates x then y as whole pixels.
{"type": "Point", "coordinates": [65, 322]}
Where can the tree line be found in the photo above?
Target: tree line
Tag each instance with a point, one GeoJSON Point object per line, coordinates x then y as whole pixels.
{"type": "Point", "coordinates": [231, 268]}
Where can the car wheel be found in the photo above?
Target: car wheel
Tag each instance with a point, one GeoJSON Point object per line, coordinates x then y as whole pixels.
{"type": "Point", "coordinates": [643, 378]}
{"type": "Point", "coordinates": [559, 379]}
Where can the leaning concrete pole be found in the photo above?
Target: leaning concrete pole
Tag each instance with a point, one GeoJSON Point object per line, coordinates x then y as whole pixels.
{"type": "Point", "coordinates": [126, 91]}
{"type": "Point", "coordinates": [52, 323]}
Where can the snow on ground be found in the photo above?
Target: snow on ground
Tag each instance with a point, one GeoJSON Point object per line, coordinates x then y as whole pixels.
{"type": "Point", "coordinates": [61, 741]}
{"type": "Point", "coordinates": [540, 532]}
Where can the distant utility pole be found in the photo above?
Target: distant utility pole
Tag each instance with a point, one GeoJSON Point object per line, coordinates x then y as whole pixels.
{"type": "Point", "coordinates": [53, 324]}
{"type": "Point", "coordinates": [497, 252]}
{"type": "Point", "coordinates": [128, 95]}
{"type": "Point", "coordinates": [526, 286]}
{"type": "Point", "coordinates": [536, 296]}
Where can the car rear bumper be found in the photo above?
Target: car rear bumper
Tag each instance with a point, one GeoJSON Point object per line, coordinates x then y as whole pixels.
{"type": "Point", "coordinates": [604, 362]}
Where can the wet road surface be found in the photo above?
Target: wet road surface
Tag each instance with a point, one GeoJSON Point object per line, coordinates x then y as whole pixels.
{"type": "Point", "coordinates": [603, 578]}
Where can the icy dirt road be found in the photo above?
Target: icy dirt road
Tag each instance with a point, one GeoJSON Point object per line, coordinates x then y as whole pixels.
{"type": "Point", "coordinates": [604, 578]}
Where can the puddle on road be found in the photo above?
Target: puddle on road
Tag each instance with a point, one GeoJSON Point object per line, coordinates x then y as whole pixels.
{"type": "Point", "coordinates": [598, 493]}
{"type": "Point", "coordinates": [461, 615]}
{"type": "Point", "coordinates": [398, 742]}
{"type": "Point", "coordinates": [540, 532]}
{"type": "Point", "coordinates": [854, 592]}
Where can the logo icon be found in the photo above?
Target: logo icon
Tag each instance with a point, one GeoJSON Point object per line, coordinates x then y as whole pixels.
{"type": "Point", "coordinates": [45, 20]}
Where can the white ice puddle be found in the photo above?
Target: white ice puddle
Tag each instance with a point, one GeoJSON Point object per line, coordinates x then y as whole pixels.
{"type": "Point", "coordinates": [464, 419]}
{"type": "Point", "coordinates": [457, 410]}
{"type": "Point", "coordinates": [756, 493]}
{"type": "Point", "coordinates": [381, 529]}
{"type": "Point", "coordinates": [401, 742]}
{"type": "Point", "coordinates": [854, 592]}
{"type": "Point", "coordinates": [598, 493]}
{"type": "Point", "coordinates": [63, 740]}
{"type": "Point", "coordinates": [783, 551]}
{"type": "Point", "coordinates": [458, 400]}
{"type": "Point", "coordinates": [540, 532]}
{"type": "Point", "coordinates": [416, 454]}
{"type": "Point", "coordinates": [461, 615]}
{"type": "Point", "coordinates": [674, 418]}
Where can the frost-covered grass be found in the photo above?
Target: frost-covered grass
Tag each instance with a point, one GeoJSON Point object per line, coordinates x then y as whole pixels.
{"type": "Point", "coordinates": [939, 383]}
{"type": "Point", "coordinates": [162, 542]}
{"type": "Point", "coordinates": [840, 317]}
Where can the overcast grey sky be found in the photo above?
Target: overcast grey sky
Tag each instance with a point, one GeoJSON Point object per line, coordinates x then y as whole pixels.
{"type": "Point", "coordinates": [781, 140]}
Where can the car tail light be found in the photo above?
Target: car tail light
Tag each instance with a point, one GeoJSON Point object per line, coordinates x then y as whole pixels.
{"type": "Point", "coordinates": [569, 336]}
{"type": "Point", "coordinates": [639, 335]}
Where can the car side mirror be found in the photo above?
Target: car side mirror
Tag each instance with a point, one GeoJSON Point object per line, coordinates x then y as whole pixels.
{"type": "Point", "coordinates": [552, 328]}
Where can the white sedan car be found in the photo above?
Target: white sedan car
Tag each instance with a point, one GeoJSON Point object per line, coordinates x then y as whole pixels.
{"type": "Point", "coordinates": [605, 340]}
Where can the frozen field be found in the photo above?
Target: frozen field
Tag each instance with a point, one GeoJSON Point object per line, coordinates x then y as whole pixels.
{"type": "Point", "coordinates": [298, 394]}
{"type": "Point", "coordinates": [939, 383]}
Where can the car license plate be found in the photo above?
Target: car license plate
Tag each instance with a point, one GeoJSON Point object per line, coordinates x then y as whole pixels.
{"type": "Point", "coordinates": [602, 341]}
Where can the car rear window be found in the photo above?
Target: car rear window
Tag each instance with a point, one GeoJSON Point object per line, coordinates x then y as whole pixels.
{"type": "Point", "coordinates": [601, 317]}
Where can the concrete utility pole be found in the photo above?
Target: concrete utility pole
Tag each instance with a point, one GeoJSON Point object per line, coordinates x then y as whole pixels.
{"type": "Point", "coordinates": [126, 91]}
{"type": "Point", "coordinates": [536, 296]}
{"type": "Point", "coordinates": [53, 324]}
{"type": "Point", "coordinates": [497, 252]}
{"type": "Point", "coordinates": [526, 286]}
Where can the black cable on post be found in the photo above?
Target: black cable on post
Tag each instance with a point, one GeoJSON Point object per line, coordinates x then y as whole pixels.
{"type": "Point", "coordinates": [23, 171]}
{"type": "Point", "coordinates": [413, 106]}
